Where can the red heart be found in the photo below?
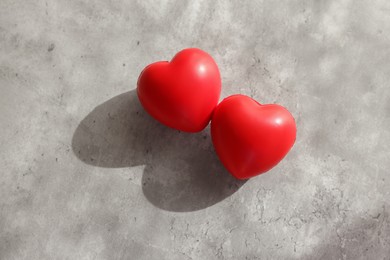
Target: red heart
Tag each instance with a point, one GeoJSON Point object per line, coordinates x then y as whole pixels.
{"type": "Point", "coordinates": [251, 138]}
{"type": "Point", "coordinates": [182, 93]}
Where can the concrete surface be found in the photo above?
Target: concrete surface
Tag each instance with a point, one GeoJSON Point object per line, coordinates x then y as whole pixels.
{"type": "Point", "coordinates": [86, 174]}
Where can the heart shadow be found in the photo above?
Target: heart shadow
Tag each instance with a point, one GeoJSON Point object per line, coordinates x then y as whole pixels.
{"type": "Point", "coordinates": [182, 172]}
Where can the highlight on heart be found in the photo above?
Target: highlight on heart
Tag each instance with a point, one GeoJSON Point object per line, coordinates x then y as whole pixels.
{"type": "Point", "coordinates": [249, 138]}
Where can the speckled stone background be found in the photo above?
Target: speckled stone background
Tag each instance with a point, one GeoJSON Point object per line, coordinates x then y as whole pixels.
{"type": "Point", "coordinates": [87, 174]}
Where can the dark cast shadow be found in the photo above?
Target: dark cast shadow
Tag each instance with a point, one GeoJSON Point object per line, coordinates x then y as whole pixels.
{"type": "Point", "coordinates": [182, 172]}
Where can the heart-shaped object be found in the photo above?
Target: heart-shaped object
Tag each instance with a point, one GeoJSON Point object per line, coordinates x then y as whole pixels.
{"type": "Point", "coordinates": [182, 93]}
{"type": "Point", "coordinates": [251, 138]}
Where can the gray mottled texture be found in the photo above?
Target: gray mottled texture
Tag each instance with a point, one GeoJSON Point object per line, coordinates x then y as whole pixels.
{"type": "Point", "coordinates": [87, 174]}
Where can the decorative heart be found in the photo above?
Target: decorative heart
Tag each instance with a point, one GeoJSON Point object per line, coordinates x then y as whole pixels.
{"type": "Point", "coordinates": [251, 138]}
{"type": "Point", "coordinates": [182, 93]}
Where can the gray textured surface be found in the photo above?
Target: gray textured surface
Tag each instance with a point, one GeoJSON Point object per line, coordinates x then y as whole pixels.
{"type": "Point", "coordinates": [86, 174]}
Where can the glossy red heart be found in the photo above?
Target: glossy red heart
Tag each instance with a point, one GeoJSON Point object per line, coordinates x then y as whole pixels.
{"type": "Point", "coordinates": [251, 138]}
{"type": "Point", "coordinates": [182, 93]}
